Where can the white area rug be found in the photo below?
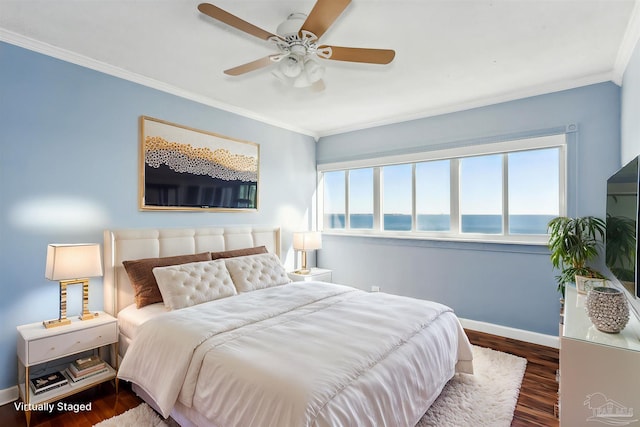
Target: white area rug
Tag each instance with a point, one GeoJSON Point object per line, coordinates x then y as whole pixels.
{"type": "Point", "coordinates": [140, 416]}
{"type": "Point", "coordinates": [487, 398]}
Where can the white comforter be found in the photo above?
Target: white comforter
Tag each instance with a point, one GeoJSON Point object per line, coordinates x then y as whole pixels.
{"type": "Point", "coordinates": [301, 354]}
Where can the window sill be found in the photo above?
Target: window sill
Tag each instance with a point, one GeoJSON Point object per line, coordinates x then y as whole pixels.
{"type": "Point", "coordinates": [525, 240]}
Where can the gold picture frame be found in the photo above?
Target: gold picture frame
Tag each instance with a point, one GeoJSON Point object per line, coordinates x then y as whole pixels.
{"type": "Point", "coordinates": [187, 169]}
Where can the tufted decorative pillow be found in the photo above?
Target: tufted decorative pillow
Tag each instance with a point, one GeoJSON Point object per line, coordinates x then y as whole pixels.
{"type": "Point", "coordinates": [256, 272]}
{"type": "Point", "coordinates": [194, 283]}
{"type": "Point", "coordinates": [140, 272]}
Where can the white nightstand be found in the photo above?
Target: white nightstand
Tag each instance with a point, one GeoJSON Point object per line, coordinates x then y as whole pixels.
{"type": "Point", "coordinates": [47, 350]}
{"type": "Point", "coordinates": [318, 274]}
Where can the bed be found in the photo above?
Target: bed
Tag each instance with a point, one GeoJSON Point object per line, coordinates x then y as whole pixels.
{"type": "Point", "coordinates": [235, 343]}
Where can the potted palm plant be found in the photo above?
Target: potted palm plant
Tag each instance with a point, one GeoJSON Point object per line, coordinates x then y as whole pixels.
{"type": "Point", "coordinates": [573, 243]}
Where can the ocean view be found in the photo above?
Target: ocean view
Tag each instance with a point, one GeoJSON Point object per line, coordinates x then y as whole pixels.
{"type": "Point", "coordinates": [485, 224]}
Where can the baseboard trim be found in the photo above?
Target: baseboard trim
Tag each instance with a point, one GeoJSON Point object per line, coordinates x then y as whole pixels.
{"type": "Point", "coordinates": [8, 395]}
{"type": "Point", "coordinates": [507, 332]}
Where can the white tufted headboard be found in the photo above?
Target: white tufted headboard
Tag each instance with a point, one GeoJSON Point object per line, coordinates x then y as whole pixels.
{"type": "Point", "coordinates": [130, 244]}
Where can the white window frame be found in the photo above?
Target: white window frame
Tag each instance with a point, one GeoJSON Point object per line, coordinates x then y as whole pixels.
{"type": "Point", "coordinates": [453, 154]}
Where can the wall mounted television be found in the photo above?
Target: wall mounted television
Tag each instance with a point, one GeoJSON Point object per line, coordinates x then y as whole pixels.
{"type": "Point", "coordinates": [621, 247]}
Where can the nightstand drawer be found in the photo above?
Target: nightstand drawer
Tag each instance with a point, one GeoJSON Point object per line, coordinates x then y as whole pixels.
{"type": "Point", "coordinates": [47, 348]}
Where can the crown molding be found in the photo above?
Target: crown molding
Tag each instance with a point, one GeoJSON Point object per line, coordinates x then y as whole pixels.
{"type": "Point", "coordinates": [93, 64]}
{"type": "Point", "coordinates": [628, 45]}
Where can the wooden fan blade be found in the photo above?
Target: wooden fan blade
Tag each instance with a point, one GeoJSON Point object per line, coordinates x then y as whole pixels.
{"type": "Point", "coordinates": [232, 20]}
{"type": "Point", "coordinates": [358, 54]}
{"type": "Point", "coordinates": [323, 14]}
{"type": "Point", "coordinates": [253, 65]}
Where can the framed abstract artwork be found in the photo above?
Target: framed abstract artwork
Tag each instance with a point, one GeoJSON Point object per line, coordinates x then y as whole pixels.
{"type": "Point", "coordinates": [182, 168]}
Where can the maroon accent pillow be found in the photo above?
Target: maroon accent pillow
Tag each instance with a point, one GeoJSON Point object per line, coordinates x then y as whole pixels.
{"type": "Point", "coordinates": [140, 272]}
{"type": "Point", "coordinates": [239, 252]}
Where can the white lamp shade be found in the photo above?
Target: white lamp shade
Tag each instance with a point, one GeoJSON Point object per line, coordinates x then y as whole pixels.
{"type": "Point", "coordinates": [307, 240]}
{"type": "Point", "coordinates": [313, 71]}
{"type": "Point", "coordinates": [66, 262]}
{"type": "Point", "coordinates": [291, 66]}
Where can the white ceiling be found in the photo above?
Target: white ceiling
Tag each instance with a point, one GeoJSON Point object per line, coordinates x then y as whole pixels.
{"type": "Point", "coordinates": [450, 54]}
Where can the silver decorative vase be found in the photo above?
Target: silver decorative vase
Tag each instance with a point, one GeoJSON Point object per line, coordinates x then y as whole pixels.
{"type": "Point", "coordinates": [608, 310]}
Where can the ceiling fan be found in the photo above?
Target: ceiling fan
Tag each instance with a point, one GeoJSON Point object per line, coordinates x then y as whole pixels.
{"type": "Point", "coordinates": [297, 41]}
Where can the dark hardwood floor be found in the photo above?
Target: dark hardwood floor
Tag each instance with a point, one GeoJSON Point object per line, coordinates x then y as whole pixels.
{"type": "Point", "coordinates": [104, 404]}
{"type": "Point", "coordinates": [535, 407]}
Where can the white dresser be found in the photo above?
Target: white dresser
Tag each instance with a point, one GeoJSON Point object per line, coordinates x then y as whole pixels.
{"type": "Point", "coordinates": [599, 372]}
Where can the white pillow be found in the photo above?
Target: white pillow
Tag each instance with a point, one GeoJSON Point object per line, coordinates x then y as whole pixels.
{"type": "Point", "coordinates": [189, 284]}
{"type": "Point", "coordinates": [253, 272]}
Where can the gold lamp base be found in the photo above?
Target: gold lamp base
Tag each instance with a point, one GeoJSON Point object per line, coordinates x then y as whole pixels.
{"type": "Point", "coordinates": [86, 314]}
{"type": "Point", "coordinates": [57, 322]}
{"type": "Point", "coordinates": [303, 268]}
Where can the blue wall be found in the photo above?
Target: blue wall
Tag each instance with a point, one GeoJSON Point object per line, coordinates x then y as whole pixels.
{"type": "Point", "coordinates": [509, 285]}
{"type": "Point", "coordinates": [630, 124]}
{"type": "Point", "coordinates": [69, 170]}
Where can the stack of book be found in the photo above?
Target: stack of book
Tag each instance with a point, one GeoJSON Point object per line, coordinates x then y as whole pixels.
{"type": "Point", "coordinates": [47, 382]}
{"type": "Point", "coordinates": [86, 367]}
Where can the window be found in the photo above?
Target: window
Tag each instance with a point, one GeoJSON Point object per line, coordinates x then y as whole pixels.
{"type": "Point", "coordinates": [533, 196]}
{"type": "Point", "coordinates": [361, 198]}
{"type": "Point", "coordinates": [481, 194]}
{"type": "Point", "coordinates": [433, 196]}
{"type": "Point", "coordinates": [397, 196]}
{"type": "Point", "coordinates": [334, 200]}
{"type": "Point", "coordinates": [506, 191]}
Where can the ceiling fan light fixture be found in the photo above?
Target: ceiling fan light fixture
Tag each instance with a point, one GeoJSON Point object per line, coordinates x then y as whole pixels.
{"type": "Point", "coordinates": [312, 70]}
{"type": "Point", "coordinates": [301, 81]}
{"type": "Point", "coordinates": [312, 73]}
{"type": "Point", "coordinates": [291, 66]}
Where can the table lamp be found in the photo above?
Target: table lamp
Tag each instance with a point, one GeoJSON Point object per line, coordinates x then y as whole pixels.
{"type": "Point", "coordinates": [306, 241]}
{"type": "Point", "coordinates": [71, 264]}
